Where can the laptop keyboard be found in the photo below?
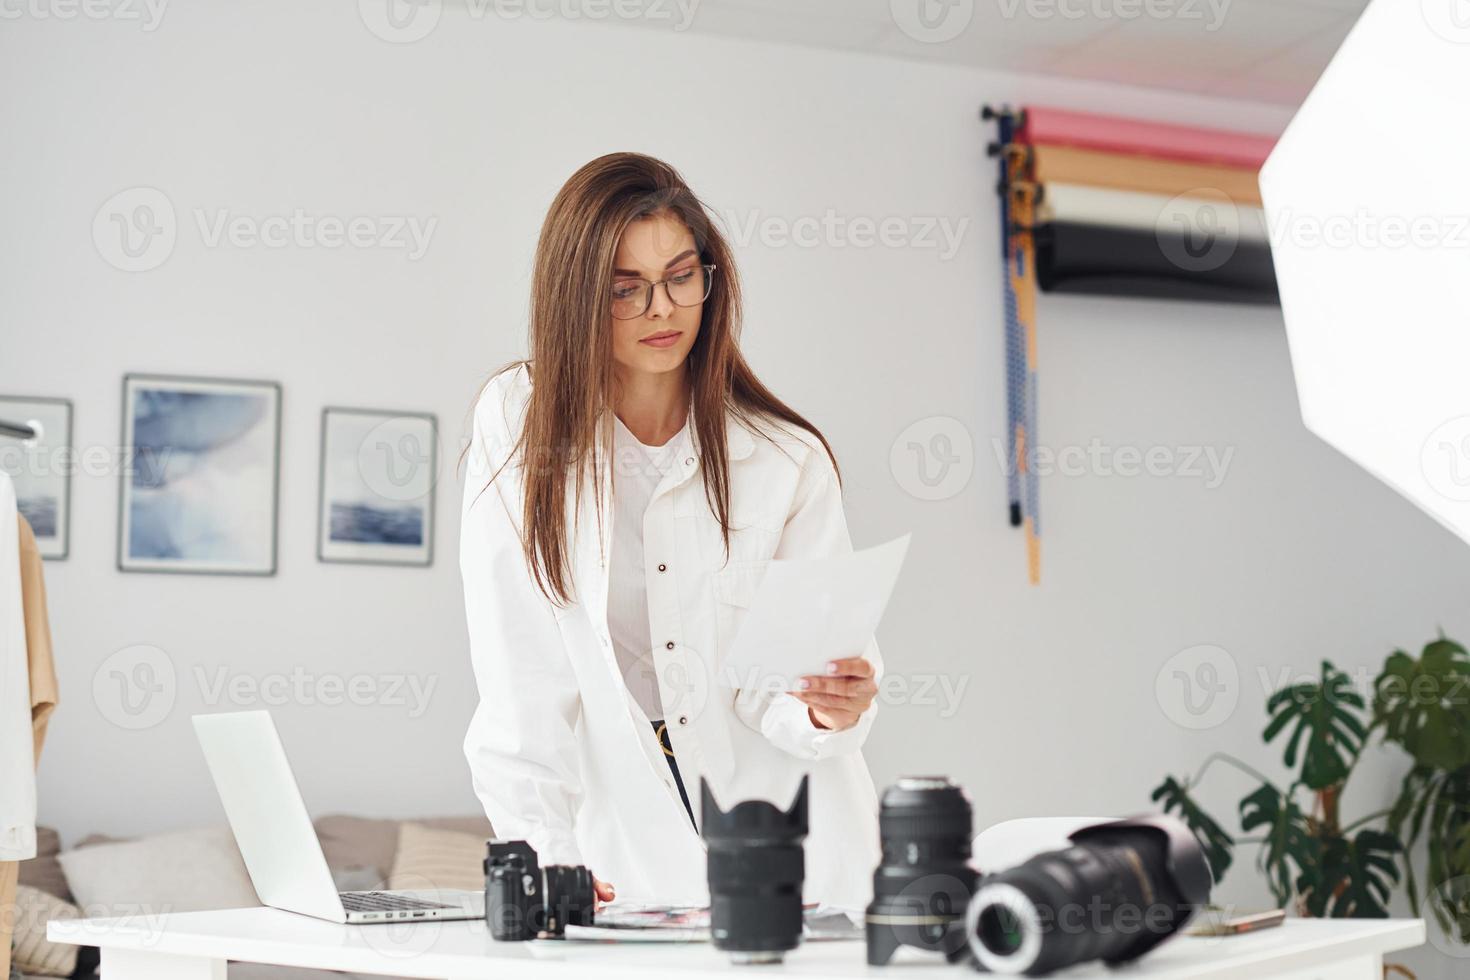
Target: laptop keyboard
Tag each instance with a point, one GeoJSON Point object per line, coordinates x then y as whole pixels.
{"type": "Point", "coordinates": [386, 902]}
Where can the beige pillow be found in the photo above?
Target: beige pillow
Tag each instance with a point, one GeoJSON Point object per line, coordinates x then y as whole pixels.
{"type": "Point", "coordinates": [429, 858]}
{"type": "Point", "coordinates": [181, 872]}
{"type": "Point", "coordinates": [34, 954]}
{"type": "Point", "coordinates": [43, 871]}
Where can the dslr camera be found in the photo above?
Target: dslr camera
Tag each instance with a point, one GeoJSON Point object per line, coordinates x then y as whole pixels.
{"type": "Point", "coordinates": [524, 900]}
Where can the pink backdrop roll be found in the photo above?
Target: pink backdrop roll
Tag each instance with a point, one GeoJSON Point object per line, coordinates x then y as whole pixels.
{"type": "Point", "coordinates": [1114, 134]}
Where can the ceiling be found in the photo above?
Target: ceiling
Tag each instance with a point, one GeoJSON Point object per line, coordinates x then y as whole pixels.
{"type": "Point", "coordinates": [1258, 50]}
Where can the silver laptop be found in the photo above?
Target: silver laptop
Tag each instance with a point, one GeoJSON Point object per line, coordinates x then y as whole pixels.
{"type": "Point", "coordinates": [281, 851]}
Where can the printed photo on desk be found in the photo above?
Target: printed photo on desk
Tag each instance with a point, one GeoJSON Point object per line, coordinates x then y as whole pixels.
{"type": "Point", "coordinates": [199, 488]}
{"type": "Point", "coordinates": [378, 471]}
{"type": "Point", "coordinates": [41, 468]}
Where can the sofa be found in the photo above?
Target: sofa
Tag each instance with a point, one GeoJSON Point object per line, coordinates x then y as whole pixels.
{"type": "Point", "coordinates": [201, 869]}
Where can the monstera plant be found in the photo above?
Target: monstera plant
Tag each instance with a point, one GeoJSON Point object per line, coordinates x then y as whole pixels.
{"type": "Point", "coordinates": [1312, 859]}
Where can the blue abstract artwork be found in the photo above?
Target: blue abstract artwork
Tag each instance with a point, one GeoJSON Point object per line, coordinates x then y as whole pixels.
{"type": "Point", "coordinates": [200, 484]}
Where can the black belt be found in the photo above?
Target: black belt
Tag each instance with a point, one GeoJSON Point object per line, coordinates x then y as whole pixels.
{"type": "Point", "coordinates": [661, 732]}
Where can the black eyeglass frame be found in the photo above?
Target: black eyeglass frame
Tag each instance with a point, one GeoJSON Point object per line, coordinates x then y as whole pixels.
{"type": "Point", "coordinates": [709, 285]}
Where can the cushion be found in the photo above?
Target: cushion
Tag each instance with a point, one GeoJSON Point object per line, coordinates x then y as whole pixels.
{"type": "Point", "coordinates": [363, 843]}
{"type": "Point", "coordinates": [430, 858]}
{"type": "Point", "coordinates": [43, 872]}
{"type": "Point", "coordinates": [33, 953]}
{"type": "Point", "coordinates": [358, 843]}
{"type": "Point", "coordinates": [188, 871]}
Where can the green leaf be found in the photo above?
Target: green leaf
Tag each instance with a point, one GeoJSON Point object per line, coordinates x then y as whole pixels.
{"type": "Point", "coordinates": [1287, 842]}
{"type": "Point", "coordinates": [1217, 844]}
{"type": "Point", "coordinates": [1424, 704]}
{"type": "Point", "coordinates": [1358, 875]}
{"type": "Point", "coordinates": [1326, 715]}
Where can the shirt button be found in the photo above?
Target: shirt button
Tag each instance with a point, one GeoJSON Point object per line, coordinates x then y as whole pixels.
{"type": "Point", "coordinates": [683, 719]}
{"type": "Point", "coordinates": [663, 568]}
{"type": "Point", "coordinates": [689, 461]}
{"type": "Point", "coordinates": [669, 645]}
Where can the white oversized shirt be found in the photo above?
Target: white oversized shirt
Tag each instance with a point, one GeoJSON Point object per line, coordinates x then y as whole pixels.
{"type": "Point", "coordinates": [556, 756]}
{"type": "Point", "coordinates": [637, 469]}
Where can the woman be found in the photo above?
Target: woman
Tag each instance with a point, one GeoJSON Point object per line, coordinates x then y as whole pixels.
{"type": "Point", "coordinates": [627, 486]}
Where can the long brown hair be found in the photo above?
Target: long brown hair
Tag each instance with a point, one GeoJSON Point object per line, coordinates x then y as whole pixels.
{"type": "Point", "coordinates": [571, 360]}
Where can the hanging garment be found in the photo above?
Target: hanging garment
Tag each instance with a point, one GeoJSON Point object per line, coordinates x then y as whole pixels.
{"type": "Point", "coordinates": [1078, 204]}
{"type": "Point", "coordinates": [28, 690]}
{"type": "Point", "coordinates": [1112, 134]}
{"type": "Point", "coordinates": [42, 667]}
{"type": "Point", "coordinates": [1067, 165]}
{"type": "Point", "coordinates": [1122, 262]}
{"type": "Point", "coordinates": [17, 745]}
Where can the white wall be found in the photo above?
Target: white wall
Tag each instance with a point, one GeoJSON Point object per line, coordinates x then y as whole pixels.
{"type": "Point", "coordinates": [262, 109]}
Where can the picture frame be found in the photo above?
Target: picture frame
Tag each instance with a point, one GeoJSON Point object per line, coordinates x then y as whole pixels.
{"type": "Point", "coordinates": [199, 488]}
{"type": "Point", "coordinates": [42, 469]}
{"type": "Point", "coordinates": [376, 487]}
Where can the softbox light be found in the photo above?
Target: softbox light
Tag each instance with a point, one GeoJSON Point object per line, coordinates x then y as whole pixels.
{"type": "Point", "coordinates": [1367, 198]}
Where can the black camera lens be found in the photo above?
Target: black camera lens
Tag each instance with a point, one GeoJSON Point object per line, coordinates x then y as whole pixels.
{"type": "Point", "coordinates": [1122, 889]}
{"type": "Point", "coordinates": [571, 899]}
{"type": "Point", "coordinates": [756, 869]}
{"type": "Point", "coordinates": [924, 881]}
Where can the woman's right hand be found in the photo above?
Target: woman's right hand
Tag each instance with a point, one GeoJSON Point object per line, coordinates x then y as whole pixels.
{"type": "Point", "coordinates": [603, 891]}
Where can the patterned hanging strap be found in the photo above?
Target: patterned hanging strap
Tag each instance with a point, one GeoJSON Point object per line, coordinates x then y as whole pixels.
{"type": "Point", "coordinates": [1022, 280]}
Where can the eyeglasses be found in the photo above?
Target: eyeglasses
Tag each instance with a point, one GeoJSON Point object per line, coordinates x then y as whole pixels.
{"type": "Point", "coordinates": [631, 298]}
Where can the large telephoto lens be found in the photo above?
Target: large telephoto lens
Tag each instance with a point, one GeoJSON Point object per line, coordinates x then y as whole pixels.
{"type": "Point", "coordinates": [1122, 889]}
{"type": "Point", "coordinates": [756, 869]}
{"type": "Point", "coordinates": [922, 885]}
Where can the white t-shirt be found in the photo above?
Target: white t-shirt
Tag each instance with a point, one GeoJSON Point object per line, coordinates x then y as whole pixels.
{"type": "Point", "coordinates": [637, 472]}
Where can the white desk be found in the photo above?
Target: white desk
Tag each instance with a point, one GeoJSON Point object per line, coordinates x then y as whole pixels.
{"type": "Point", "coordinates": [196, 946]}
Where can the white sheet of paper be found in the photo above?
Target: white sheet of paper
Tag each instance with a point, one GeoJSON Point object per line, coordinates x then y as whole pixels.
{"type": "Point", "coordinates": [809, 611]}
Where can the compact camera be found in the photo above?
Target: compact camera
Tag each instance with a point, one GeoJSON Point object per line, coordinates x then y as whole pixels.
{"type": "Point", "coordinates": [524, 900]}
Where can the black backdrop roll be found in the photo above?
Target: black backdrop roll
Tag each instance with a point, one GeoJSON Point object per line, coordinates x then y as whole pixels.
{"type": "Point", "coordinates": [1098, 260]}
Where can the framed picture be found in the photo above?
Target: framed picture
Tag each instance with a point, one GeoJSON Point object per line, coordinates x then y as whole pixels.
{"type": "Point", "coordinates": [41, 469]}
{"type": "Point", "coordinates": [200, 484]}
{"type": "Point", "coordinates": [378, 472]}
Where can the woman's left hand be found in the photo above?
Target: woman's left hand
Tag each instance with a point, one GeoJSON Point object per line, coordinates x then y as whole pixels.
{"type": "Point", "coordinates": [837, 700]}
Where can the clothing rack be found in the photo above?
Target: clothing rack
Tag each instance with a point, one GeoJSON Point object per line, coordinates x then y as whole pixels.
{"type": "Point", "coordinates": [16, 430]}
